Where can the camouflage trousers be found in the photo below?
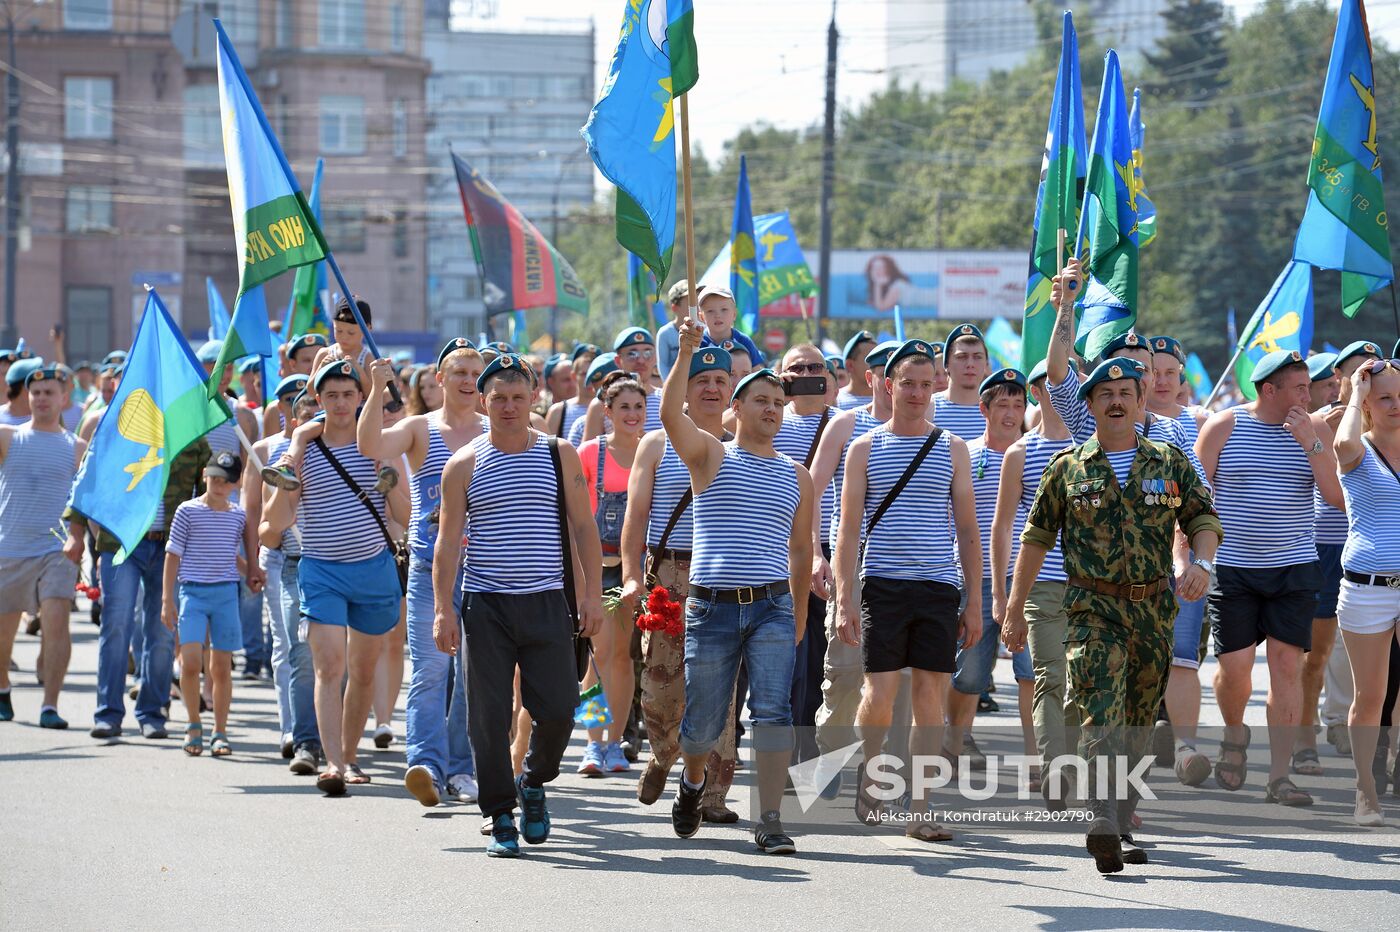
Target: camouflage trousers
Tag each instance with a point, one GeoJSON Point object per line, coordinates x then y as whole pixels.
{"type": "Point", "coordinates": [1117, 672]}
{"type": "Point", "coordinates": [663, 695]}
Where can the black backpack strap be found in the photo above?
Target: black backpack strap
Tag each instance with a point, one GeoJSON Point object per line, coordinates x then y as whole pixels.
{"type": "Point", "coordinates": [570, 596]}
{"type": "Point", "coordinates": [817, 437]}
{"type": "Point", "coordinates": [903, 480]}
{"type": "Point", "coordinates": [360, 493]}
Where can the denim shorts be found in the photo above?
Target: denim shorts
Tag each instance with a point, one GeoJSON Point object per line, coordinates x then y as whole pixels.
{"type": "Point", "coordinates": [210, 608]}
{"type": "Point", "coordinates": [973, 674]}
{"type": "Point", "coordinates": [1188, 644]}
{"type": "Point", "coordinates": [1329, 562]}
{"type": "Point", "coordinates": [364, 594]}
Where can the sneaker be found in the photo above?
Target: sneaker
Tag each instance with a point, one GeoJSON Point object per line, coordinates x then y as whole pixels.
{"type": "Point", "coordinates": [462, 787]}
{"type": "Point", "coordinates": [629, 750]}
{"type": "Point", "coordinates": [281, 476]}
{"type": "Point", "coordinates": [685, 811]}
{"type": "Point", "coordinates": [103, 731]}
{"type": "Point", "coordinates": [31, 626]}
{"type": "Point", "coordinates": [986, 703]}
{"type": "Point", "coordinates": [383, 737]}
{"type": "Point", "coordinates": [288, 747]}
{"type": "Point", "coordinates": [153, 732]}
{"type": "Point", "coordinates": [1130, 851]}
{"type": "Point", "coordinates": [614, 761]}
{"type": "Point", "coordinates": [975, 758]}
{"type": "Point", "coordinates": [592, 764]}
{"type": "Point", "coordinates": [768, 834]}
{"type": "Point", "coordinates": [49, 718]}
{"type": "Point", "coordinates": [504, 841]}
{"type": "Point", "coordinates": [7, 708]}
{"type": "Point", "coordinates": [1340, 738]}
{"type": "Point", "coordinates": [534, 814]}
{"type": "Point", "coordinates": [419, 781]}
{"type": "Point", "coordinates": [303, 762]}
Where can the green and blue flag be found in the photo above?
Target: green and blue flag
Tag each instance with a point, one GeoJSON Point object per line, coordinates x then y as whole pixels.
{"type": "Point", "coordinates": [1344, 225]}
{"type": "Point", "coordinates": [782, 266]}
{"type": "Point", "coordinates": [306, 310]}
{"type": "Point", "coordinates": [644, 307]}
{"type": "Point", "coordinates": [1107, 242]}
{"type": "Point", "coordinates": [1147, 212]}
{"type": "Point", "coordinates": [1198, 378]}
{"type": "Point", "coordinates": [743, 259]}
{"type": "Point", "coordinates": [1283, 321]}
{"type": "Point", "coordinates": [218, 311]}
{"type": "Point", "coordinates": [1003, 344]}
{"type": "Point", "coordinates": [160, 407]}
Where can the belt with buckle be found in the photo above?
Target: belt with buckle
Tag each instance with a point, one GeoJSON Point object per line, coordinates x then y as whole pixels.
{"type": "Point", "coordinates": [1133, 592]}
{"type": "Point", "coordinates": [1368, 579]}
{"type": "Point", "coordinates": [155, 535]}
{"type": "Point", "coordinates": [679, 556]}
{"type": "Point", "coordinates": [743, 595]}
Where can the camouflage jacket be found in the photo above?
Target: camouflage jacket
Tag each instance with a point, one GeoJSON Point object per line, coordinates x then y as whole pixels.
{"type": "Point", "coordinates": [1119, 535]}
{"type": "Point", "coordinates": [186, 480]}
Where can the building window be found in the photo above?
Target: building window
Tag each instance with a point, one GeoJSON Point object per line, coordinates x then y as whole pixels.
{"type": "Point", "coordinates": [87, 108]}
{"type": "Point", "coordinates": [87, 315]}
{"type": "Point", "coordinates": [398, 32]}
{"type": "Point", "coordinates": [87, 14]}
{"type": "Point", "coordinates": [343, 125]}
{"type": "Point", "coordinates": [344, 228]}
{"type": "Point", "coordinates": [340, 24]}
{"type": "Point", "coordinates": [286, 30]}
{"type": "Point", "coordinates": [240, 19]}
{"type": "Point", "coordinates": [400, 129]}
{"type": "Point", "coordinates": [204, 140]}
{"type": "Point", "coordinates": [88, 209]}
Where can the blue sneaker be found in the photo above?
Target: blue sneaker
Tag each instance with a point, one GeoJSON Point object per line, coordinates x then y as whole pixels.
{"type": "Point", "coordinates": [614, 760]}
{"type": "Point", "coordinates": [49, 718]}
{"type": "Point", "coordinates": [503, 843]}
{"type": "Point", "coordinates": [593, 764]}
{"type": "Point", "coordinates": [534, 815]}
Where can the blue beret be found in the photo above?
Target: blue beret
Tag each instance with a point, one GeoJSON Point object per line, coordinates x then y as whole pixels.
{"type": "Point", "coordinates": [881, 354]}
{"type": "Point", "coordinates": [338, 367]}
{"type": "Point", "coordinates": [291, 385]}
{"type": "Point", "coordinates": [115, 355]}
{"type": "Point", "coordinates": [8, 355]}
{"type": "Point", "coordinates": [21, 370]}
{"type": "Point", "coordinates": [633, 336]}
{"type": "Point", "coordinates": [209, 352]}
{"type": "Point", "coordinates": [1359, 348]}
{"type": "Point", "coordinates": [585, 349]}
{"type": "Point", "coordinates": [1322, 366]}
{"type": "Point", "coordinates": [503, 362]}
{"type": "Point", "coordinates": [708, 358]}
{"type": "Point", "coordinates": [601, 365]}
{"type": "Point", "coordinates": [911, 348]}
{"type": "Point", "coordinates": [41, 372]}
{"type": "Point", "coordinates": [859, 337]}
{"type": "Point", "coordinates": [111, 368]}
{"type": "Point", "coordinates": [1169, 345]}
{"type": "Point", "coordinates": [251, 364]}
{"type": "Point", "coordinates": [1272, 362]}
{"type": "Point", "coordinates": [961, 330]}
{"type": "Point", "coordinates": [554, 362]}
{"type": "Point", "coordinates": [764, 373]}
{"type": "Point", "coordinates": [1039, 371]}
{"type": "Point", "coordinates": [1111, 370]}
{"type": "Point", "coordinates": [499, 346]}
{"type": "Point", "coordinates": [305, 340]}
{"type": "Point", "coordinates": [452, 346]}
{"type": "Point", "coordinates": [1003, 377]}
{"type": "Point", "coordinates": [834, 362]}
{"type": "Point", "coordinates": [1125, 341]}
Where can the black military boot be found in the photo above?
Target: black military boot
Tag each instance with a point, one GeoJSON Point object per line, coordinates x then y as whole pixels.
{"type": "Point", "coordinates": [1132, 854]}
{"type": "Point", "coordinates": [1103, 841]}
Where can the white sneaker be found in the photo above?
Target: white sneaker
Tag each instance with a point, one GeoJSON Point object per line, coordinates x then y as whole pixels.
{"type": "Point", "coordinates": [383, 737]}
{"type": "Point", "coordinates": [463, 787]}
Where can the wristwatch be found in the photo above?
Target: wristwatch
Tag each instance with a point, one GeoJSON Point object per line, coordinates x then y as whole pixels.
{"type": "Point", "coordinates": [1315, 449]}
{"type": "Point", "coordinates": [1204, 564]}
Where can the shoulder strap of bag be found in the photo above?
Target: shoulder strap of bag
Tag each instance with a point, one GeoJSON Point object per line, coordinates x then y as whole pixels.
{"type": "Point", "coordinates": [570, 596]}
{"type": "Point", "coordinates": [359, 492]}
{"type": "Point", "coordinates": [817, 438]}
{"type": "Point", "coordinates": [602, 464]}
{"type": "Point", "coordinates": [903, 480]}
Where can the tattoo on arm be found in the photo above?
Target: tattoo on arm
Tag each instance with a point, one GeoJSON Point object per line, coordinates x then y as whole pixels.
{"type": "Point", "coordinates": [578, 481]}
{"type": "Point", "coordinates": [1062, 322]}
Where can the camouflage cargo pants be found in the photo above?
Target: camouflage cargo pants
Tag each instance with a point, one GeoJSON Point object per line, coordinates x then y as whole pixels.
{"type": "Point", "coordinates": [663, 695]}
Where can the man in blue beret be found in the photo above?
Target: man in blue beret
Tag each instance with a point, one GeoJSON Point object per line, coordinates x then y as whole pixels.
{"type": "Point", "coordinates": [301, 352]}
{"type": "Point", "coordinates": [635, 353]}
{"type": "Point", "coordinates": [959, 407]}
{"type": "Point", "coordinates": [856, 393]}
{"type": "Point", "coordinates": [16, 411]}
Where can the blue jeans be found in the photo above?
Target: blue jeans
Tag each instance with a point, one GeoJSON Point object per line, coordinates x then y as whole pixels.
{"type": "Point", "coordinates": [271, 562]}
{"type": "Point", "coordinates": [717, 635]}
{"type": "Point", "coordinates": [435, 722]}
{"type": "Point", "coordinates": [974, 670]}
{"type": "Point", "coordinates": [120, 585]}
{"type": "Point", "coordinates": [250, 613]}
{"type": "Point", "coordinates": [301, 677]}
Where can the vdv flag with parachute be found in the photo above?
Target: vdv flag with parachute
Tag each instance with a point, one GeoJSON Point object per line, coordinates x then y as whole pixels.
{"type": "Point", "coordinates": [1147, 212]}
{"type": "Point", "coordinates": [1198, 378]}
{"type": "Point", "coordinates": [643, 301]}
{"type": "Point", "coordinates": [743, 259]}
{"type": "Point", "coordinates": [1003, 343]}
{"type": "Point", "coordinates": [306, 313]}
{"type": "Point", "coordinates": [1057, 201]}
{"type": "Point", "coordinates": [1283, 321]}
{"type": "Point", "coordinates": [1107, 239]}
{"type": "Point", "coordinates": [218, 311]}
{"type": "Point", "coordinates": [782, 266]}
{"type": "Point", "coordinates": [630, 132]}
{"type": "Point", "coordinates": [1344, 226]}
{"type": "Point", "coordinates": [160, 408]}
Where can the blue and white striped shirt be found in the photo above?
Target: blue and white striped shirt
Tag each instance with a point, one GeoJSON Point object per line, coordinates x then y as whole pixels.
{"type": "Point", "coordinates": [794, 439]}
{"type": "Point", "coordinates": [1330, 525]}
{"type": "Point", "coordinates": [671, 482]}
{"type": "Point", "coordinates": [573, 413]}
{"type": "Point", "coordinates": [864, 424]}
{"type": "Point", "coordinates": [1263, 494]}
{"type": "Point", "coordinates": [425, 491]}
{"type": "Point", "coordinates": [848, 402]}
{"type": "Point", "coordinates": [914, 539]}
{"type": "Point", "coordinates": [335, 525]}
{"type": "Point", "coordinates": [986, 483]}
{"type": "Point", "coordinates": [513, 533]}
{"type": "Point", "coordinates": [290, 546]}
{"type": "Point", "coordinates": [1039, 450]}
{"type": "Point", "coordinates": [965, 421]}
{"type": "Point", "coordinates": [1122, 463]}
{"type": "Point", "coordinates": [206, 541]}
{"type": "Point", "coordinates": [743, 521]}
{"type": "Point", "coordinates": [1372, 495]}
{"type": "Point", "coordinates": [35, 478]}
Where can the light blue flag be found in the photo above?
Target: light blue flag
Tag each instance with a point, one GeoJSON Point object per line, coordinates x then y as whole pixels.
{"type": "Point", "coordinates": [1147, 213]}
{"type": "Point", "coordinates": [782, 266]}
{"type": "Point", "coordinates": [743, 260]}
{"type": "Point", "coordinates": [160, 407]}
{"type": "Point", "coordinates": [218, 311]}
{"type": "Point", "coordinates": [1283, 321]}
{"type": "Point", "coordinates": [250, 331]}
{"type": "Point", "coordinates": [1198, 378]}
{"type": "Point", "coordinates": [898, 323]}
{"type": "Point", "coordinates": [1004, 344]}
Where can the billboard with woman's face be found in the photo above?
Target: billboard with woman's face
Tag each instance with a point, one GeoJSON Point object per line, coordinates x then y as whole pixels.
{"type": "Point", "coordinates": [966, 285]}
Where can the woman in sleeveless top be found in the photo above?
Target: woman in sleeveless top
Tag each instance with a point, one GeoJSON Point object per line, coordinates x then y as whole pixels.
{"type": "Point", "coordinates": [607, 464]}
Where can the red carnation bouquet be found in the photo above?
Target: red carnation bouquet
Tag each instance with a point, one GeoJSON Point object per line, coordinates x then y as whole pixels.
{"type": "Point", "coordinates": [662, 613]}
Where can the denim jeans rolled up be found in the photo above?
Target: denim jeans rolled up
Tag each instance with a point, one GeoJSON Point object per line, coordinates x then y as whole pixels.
{"type": "Point", "coordinates": [435, 722]}
{"type": "Point", "coordinates": [271, 562]}
{"type": "Point", "coordinates": [301, 679]}
{"type": "Point", "coordinates": [121, 587]}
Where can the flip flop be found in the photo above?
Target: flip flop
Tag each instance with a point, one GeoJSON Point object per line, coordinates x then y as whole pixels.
{"type": "Point", "coordinates": [354, 775]}
{"type": "Point", "coordinates": [1305, 763]}
{"type": "Point", "coordinates": [331, 783]}
{"type": "Point", "coordinates": [1222, 766]}
{"type": "Point", "coordinates": [928, 831]}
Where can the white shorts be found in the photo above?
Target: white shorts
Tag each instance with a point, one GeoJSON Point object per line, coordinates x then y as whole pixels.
{"type": "Point", "coordinates": [1364, 609]}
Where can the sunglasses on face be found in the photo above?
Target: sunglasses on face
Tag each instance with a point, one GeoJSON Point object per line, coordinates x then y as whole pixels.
{"type": "Point", "coordinates": [640, 354]}
{"type": "Point", "coordinates": [814, 368]}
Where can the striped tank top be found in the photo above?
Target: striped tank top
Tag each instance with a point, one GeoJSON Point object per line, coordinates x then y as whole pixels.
{"type": "Point", "coordinates": [513, 533]}
{"type": "Point", "coordinates": [965, 421]}
{"type": "Point", "coordinates": [1263, 494]}
{"type": "Point", "coordinates": [848, 402]}
{"type": "Point", "coordinates": [670, 483]}
{"type": "Point", "coordinates": [35, 478]}
{"type": "Point", "coordinates": [1121, 462]}
{"type": "Point", "coordinates": [575, 432]}
{"type": "Point", "coordinates": [865, 423]}
{"type": "Point", "coordinates": [1039, 450]}
{"type": "Point", "coordinates": [425, 491]}
{"type": "Point", "coordinates": [743, 520]}
{"type": "Point", "coordinates": [573, 412]}
{"type": "Point", "coordinates": [1373, 505]}
{"type": "Point", "coordinates": [986, 482]}
{"type": "Point", "coordinates": [1330, 525]}
{"type": "Point", "coordinates": [290, 546]}
{"type": "Point", "coordinates": [224, 438]}
{"type": "Point", "coordinates": [914, 539]}
{"type": "Point", "coordinates": [793, 440]}
{"type": "Point", "coordinates": [653, 411]}
{"type": "Point", "coordinates": [335, 525]}
{"type": "Point", "coordinates": [12, 420]}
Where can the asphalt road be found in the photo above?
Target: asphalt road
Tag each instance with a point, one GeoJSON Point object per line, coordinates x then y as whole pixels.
{"type": "Point", "coordinates": [132, 834]}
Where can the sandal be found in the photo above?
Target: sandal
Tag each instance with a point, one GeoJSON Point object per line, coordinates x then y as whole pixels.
{"type": "Point", "coordinates": [219, 746]}
{"type": "Point", "coordinates": [1285, 793]}
{"type": "Point", "coordinates": [1033, 781]}
{"type": "Point", "coordinates": [194, 740]}
{"type": "Point", "coordinates": [928, 831]}
{"type": "Point", "coordinates": [354, 775]}
{"type": "Point", "coordinates": [868, 809]}
{"type": "Point", "coordinates": [331, 783]}
{"type": "Point", "coordinates": [1223, 767]}
{"type": "Point", "coordinates": [1192, 767]}
{"type": "Point", "coordinates": [1305, 763]}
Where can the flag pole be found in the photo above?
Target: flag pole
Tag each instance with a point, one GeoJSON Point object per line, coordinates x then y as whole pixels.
{"type": "Point", "coordinates": [1229, 367]}
{"type": "Point", "coordinates": [396, 401]}
{"type": "Point", "coordinates": [689, 218]}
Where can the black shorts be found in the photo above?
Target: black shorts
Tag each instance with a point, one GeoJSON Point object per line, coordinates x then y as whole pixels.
{"type": "Point", "coordinates": [1247, 605]}
{"type": "Point", "coordinates": [908, 623]}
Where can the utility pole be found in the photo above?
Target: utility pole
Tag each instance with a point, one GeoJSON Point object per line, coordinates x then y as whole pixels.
{"type": "Point", "coordinates": [10, 336]}
{"type": "Point", "coordinates": [828, 176]}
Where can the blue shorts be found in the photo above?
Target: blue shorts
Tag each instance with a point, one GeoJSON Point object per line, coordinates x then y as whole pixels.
{"type": "Point", "coordinates": [210, 608]}
{"type": "Point", "coordinates": [974, 667]}
{"type": "Point", "coordinates": [363, 595]}
{"type": "Point", "coordinates": [1329, 561]}
{"type": "Point", "coordinates": [1188, 645]}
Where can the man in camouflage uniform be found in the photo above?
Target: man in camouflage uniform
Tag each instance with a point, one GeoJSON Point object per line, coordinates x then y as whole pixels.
{"type": "Point", "coordinates": [1117, 500]}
